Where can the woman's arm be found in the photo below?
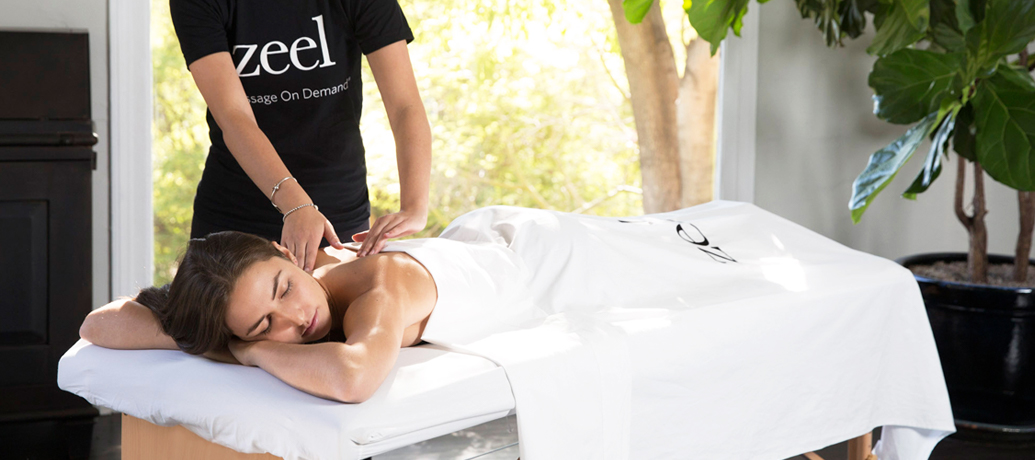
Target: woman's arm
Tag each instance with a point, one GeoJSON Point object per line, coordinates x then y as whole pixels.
{"type": "Point", "coordinates": [216, 78]}
{"type": "Point", "coordinates": [348, 372]}
{"type": "Point", "coordinates": [125, 325]}
{"type": "Point", "coordinates": [393, 74]}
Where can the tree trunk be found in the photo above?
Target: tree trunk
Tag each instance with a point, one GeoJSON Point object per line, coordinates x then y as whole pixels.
{"type": "Point", "coordinates": [977, 257]}
{"type": "Point", "coordinates": [696, 115]}
{"type": "Point", "coordinates": [653, 86]}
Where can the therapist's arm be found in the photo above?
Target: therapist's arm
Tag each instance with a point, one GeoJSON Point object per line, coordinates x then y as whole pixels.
{"type": "Point", "coordinates": [393, 74]}
{"type": "Point", "coordinates": [125, 325]}
{"type": "Point", "coordinates": [216, 78]}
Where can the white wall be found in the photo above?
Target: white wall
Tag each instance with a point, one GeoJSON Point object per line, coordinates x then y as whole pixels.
{"type": "Point", "coordinates": [815, 133]}
{"type": "Point", "coordinates": [92, 16]}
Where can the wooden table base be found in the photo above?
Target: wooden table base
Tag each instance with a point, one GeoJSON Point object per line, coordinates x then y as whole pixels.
{"type": "Point", "coordinates": [143, 440]}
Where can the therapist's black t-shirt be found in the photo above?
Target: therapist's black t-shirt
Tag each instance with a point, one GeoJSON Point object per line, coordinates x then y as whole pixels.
{"type": "Point", "coordinates": [299, 62]}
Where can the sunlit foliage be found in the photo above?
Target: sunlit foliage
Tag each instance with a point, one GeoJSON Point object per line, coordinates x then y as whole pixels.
{"type": "Point", "coordinates": [527, 102]}
{"type": "Point", "coordinates": [180, 140]}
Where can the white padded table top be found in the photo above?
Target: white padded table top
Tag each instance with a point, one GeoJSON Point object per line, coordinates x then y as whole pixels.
{"type": "Point", "coordinates": [430, 392]}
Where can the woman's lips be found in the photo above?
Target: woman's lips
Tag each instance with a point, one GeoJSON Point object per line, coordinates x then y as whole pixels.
{"type": "Point", "coordinates": [312, 325]}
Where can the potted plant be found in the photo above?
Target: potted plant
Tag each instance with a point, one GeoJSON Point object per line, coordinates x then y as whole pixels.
{"type": "Point", "coordinates": [958, 72]}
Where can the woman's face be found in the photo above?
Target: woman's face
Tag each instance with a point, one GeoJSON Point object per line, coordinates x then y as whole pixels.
{"type": "Point", "coordinates": [276, 300]}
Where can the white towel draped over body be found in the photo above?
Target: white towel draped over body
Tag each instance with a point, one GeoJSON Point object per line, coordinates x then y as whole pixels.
{"type": "Point", "coordinates": [715, 332]}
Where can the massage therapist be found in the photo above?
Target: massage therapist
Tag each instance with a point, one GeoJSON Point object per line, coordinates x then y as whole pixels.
{"type": "Point", "coordinates": [283, 86]}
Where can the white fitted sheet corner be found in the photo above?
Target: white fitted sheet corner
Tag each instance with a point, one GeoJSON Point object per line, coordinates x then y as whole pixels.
{"type": "Point", "coordinates": [430, 392]}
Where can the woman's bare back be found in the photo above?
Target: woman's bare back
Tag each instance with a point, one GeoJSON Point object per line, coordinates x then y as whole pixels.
{"type": "Point", "coordinates": [403, 281]}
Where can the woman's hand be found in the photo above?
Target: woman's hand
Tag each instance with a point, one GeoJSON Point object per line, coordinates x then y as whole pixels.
{"type": "Point", "coordinates": [301, 235]}
{"type": "Point", "coordinates": [395, 225]}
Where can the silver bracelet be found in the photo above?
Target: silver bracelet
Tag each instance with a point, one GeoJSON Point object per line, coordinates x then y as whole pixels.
{"type": "Point", "coordinates": [277, 187]}
{"type": "Point", "coordinates": [296, 208]}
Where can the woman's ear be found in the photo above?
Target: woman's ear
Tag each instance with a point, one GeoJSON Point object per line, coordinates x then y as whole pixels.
{"type": "Point", "coordinates": [287, 252]}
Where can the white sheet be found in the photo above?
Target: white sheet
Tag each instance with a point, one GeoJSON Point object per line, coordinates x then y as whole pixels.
{"type": "Point", "coordinates": [636, 345]}
{"type": "Point", "coordinates": [430, 392]}
{"type": "Point", "coordinates": [719, 331]}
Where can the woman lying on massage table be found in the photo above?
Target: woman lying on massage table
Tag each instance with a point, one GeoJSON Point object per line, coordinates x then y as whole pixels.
{"type": "Point", "coordinates": [240, 298]}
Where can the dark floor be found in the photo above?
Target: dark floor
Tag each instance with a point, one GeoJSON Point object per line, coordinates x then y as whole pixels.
{"type": "Point", "coordinates": [99, 439]}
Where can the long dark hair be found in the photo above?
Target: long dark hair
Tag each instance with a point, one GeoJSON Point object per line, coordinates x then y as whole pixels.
{"type": "Point", "coordinates": [192, 309]}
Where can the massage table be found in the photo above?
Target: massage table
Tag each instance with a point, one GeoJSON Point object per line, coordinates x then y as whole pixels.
{"type": "Point", "coordinates": [429, 393]}
{"type": "Point", "coordinates": [809, 345]}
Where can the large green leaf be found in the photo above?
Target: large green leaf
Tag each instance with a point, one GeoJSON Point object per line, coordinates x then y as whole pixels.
{"type": "Point", "coordinates": [899, 23]}
{"type": "Point", "coordinates": [968, 13]}
{"type": "Point", "coordinates": [909, 84]}
{"type": "Point", "coordinates": [947, 37]}
{"type": "Point", "coordinates": [964, 138]}
{"type": "Point", "coordinates": [933, 163]}
{"type": "Point", "coordinates": [884, 165]}
{"type": "Point", "coordinates": [635, 10]}
{"type": "Point", "coordinates": [917, 12]}
{"type": "Point", "coordinates": [944, 29]}
{"type": "Point", "coordinates": [1004, 109]}
{"type": "Point", "coordinates": [1008, 26]}
{"type": "Point", "coordinates": [712, 18]}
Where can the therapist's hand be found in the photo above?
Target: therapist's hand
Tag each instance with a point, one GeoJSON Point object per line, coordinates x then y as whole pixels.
{"type": "Point", "coordinates": [301, 235]}
{"type": "Point", "coordinates": [402, 223]}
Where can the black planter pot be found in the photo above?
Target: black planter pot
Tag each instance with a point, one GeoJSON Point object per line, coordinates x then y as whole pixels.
{"type": "Point", "coordinates": [986, 340]}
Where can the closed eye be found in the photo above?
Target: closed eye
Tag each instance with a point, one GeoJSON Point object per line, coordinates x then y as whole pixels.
{"type": "Point", "coordinates": [269, 324]}
{"type": "Point", "coordinates": [289, 284]}
{"type": "Point", "coordinates": [269, 318]}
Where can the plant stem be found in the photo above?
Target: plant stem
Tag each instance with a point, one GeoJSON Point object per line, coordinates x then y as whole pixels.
{"type": "Point", "coordinates": [1026, 203]}
{"type": "Point", "coordinates": [961, 174]}
{"type": "Point", "coordinates": [977, 260]}
{"type": "Point", "coordinates": [977, 257]}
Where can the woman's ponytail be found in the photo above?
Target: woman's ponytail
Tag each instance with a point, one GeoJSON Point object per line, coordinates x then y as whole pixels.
{"type": "Point", "coordinates": [155, 298]}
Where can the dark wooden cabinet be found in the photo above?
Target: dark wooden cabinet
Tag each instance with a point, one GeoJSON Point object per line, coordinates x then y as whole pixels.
{"type": "Point", "coordinates": [46, 163]}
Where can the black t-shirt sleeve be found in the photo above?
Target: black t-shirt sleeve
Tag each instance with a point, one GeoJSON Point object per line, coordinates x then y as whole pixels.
{"type": "Point", "coordinates": [379, 23]}
{"type": "Point", "coordinates": [200, 26]}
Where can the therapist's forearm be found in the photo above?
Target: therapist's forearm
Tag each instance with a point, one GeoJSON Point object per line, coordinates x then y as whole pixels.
{"type": "Point", "coordinates": [413, 154]}
{"type": "Point", "coordinates": [256, 155]}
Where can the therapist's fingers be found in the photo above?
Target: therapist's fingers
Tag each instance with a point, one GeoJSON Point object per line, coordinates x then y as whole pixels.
{"type": "Point", "coordinates": [401, 227]}
{"type": "Point", "coordinates": [391, 231]}
{"type": "Point", "coordinates": [359, 237]}
{"type": "Point", "coordinates": [331, 236]}
{"type": "Point", "coordinates": [374, 234]}
{"type": "Point", "coordinates": [303, 230]}
{"type": "Point", "coordinates": [287, 252]}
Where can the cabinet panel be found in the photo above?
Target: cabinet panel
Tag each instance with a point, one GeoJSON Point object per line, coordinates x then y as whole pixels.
{"type": "Point", "coordinates": [45, 282]}
{"type": "Point", "coordinates": [23, 273]}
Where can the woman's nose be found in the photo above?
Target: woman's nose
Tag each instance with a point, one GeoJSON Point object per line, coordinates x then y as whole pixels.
{"type": "Point", "coordinates": [294, 318]}
{"type": "Point", "coordinates": [298, 317]}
